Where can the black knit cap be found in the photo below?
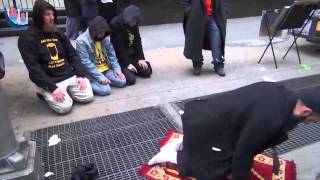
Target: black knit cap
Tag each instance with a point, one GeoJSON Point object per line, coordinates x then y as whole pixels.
{"type": "Point", "coordinates": [98, 25]}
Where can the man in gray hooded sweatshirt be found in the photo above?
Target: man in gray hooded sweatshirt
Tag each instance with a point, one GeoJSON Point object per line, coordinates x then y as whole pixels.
{"type": "Point", "coordinates": [126, 40]}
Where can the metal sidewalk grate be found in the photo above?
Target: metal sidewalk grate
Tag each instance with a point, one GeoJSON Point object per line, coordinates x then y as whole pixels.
{"type": "Point", "coordinates": [118, 144]}
{"type": "Point", "coordinates": [296, 84]}
{"type": "Point", "coordinates": [300, 136]}
{"type": "Point", "coordinates": [303, 135]}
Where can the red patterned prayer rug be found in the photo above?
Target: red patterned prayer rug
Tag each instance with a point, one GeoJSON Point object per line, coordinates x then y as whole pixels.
{"type": "Point", "coordinates": [261, 170]}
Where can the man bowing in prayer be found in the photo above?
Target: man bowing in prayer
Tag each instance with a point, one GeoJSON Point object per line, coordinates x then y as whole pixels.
{"type": "Point", "coordinates": [222, 134]}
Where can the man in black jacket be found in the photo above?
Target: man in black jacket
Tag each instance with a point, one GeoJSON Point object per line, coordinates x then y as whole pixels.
{"type": "Point", "coordinates": [53, 64]}
{"type": "Point", "coordinates": [224, 133]}
{"type": "Point", "coordinates": [126, 40]}
{"type": "Point", "coordinates": [73, 12]}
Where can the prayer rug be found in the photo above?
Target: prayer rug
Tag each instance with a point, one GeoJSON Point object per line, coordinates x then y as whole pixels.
{"type": "Point", "coordinates": [261, 170]}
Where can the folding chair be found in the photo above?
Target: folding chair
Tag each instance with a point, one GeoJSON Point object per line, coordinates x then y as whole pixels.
{"type": "Point", "coordinates": [290, 17]}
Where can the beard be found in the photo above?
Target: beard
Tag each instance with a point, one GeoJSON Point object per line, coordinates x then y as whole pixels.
{"type": "Point", "coordinates": [50, 28]}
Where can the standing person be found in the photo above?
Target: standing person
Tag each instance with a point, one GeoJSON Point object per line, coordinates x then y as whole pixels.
{"type": "Point", "coordinates": [205, 27]}
{"type": "Point", "coordinates": [224, 133]}
{"type": "Point", "coordinates": [89, 10]}
{"type": "Point", "coordinates": [53, 64]}
{"type": "Point", "coordinates": [73, 20]}
{"type": "Point", "coordinates": [98, 56]}
{"type": "Point", "coordinates": [126, 40]}
{"type": "Point", "coordinates": [108, 9]}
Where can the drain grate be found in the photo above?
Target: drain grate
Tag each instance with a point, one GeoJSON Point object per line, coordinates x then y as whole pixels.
{"type": "Point", "coordinates": [295, 84]}
{"type": "Point", "coordinates": [300, 136]}
{"type": "Point", "coordinates": [118, 144]}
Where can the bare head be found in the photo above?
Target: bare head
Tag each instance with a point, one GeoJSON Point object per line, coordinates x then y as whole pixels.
{"type": "Point", "coordinates": [306, 113]}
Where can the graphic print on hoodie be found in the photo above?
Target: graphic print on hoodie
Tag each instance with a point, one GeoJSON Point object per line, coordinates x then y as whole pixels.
{"type": "Point", "coordinates": [53, 45]}
{"type": "Point", "coordinates": [48, 56]}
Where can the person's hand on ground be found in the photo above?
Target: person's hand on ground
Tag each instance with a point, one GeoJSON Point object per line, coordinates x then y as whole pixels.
{"type": "Point", "coordinates": [120, 75]}
{"type": "Point", "coordinates": [58, 95]}
{"type": "Point", "coordinates": [132, 68]}
{"type": "Point", "coordinates": [81, 83]}
{"type": "Point", "coordinates": [142, 63]}
{"type": "Point", "coordinates": [105, 81]}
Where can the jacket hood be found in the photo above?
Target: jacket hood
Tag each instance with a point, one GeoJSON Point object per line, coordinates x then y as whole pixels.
{"type": "Point", "coordinates": [38, 10]}
{"type": "Point", "coordinates": [98, 25]}
{"type": "Point", "coordinates": [132, 13]}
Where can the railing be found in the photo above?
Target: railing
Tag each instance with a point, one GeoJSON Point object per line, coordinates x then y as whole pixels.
{"type": "Point", "coordinates": [28, 4]}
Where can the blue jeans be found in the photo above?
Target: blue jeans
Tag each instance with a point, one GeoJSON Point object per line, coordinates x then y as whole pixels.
{"type": "Point", "coordinates": [214, 36]}
{"type": "Point", "coordinates": [105, 89]}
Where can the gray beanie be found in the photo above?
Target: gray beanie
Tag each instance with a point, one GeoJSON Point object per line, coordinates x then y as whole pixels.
{"type": "Point", "coordinates": [132, 14]}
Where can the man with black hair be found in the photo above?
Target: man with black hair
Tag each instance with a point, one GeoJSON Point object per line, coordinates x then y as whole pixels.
{"type": "Point", "coordinates": [53, 64]}
{"type": "Point", "coordinates": [222, 134]}
{"type": "Point", "coordinates": [126, 40]}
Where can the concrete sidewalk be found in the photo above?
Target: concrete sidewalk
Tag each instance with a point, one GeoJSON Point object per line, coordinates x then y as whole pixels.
{"type": "Point", "coordinates": [172, 80]}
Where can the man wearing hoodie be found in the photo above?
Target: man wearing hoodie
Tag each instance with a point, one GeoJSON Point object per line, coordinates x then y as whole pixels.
{"type": "Point", "coordinates": [52, 62]}
{"type": "Point", "coordinates": [126, 40]}
{"type": "Point", "coordinates": [97, 55]}
{"type": "Point", "coordinates": [224, 133]}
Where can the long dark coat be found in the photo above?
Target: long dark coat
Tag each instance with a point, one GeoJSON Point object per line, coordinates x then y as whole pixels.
{"type": "Point", "coordinates": [194, 26]}
{"type": "Point", "coordinates": [89, 9]}
{"type": "Point", "coordinates": [108, 10]}
{"type": "Point", "coordinates": [72, 8]}
{"type": "Point", "coordinates": [223, 134]}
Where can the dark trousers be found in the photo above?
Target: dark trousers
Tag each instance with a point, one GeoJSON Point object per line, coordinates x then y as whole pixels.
{"type": "Point", "coordinates": [131, 76]}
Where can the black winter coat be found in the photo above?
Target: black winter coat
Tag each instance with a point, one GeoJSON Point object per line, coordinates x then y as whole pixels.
{"type": "Point", "coordinates": [194, 26]}
{"type": "Point", "coordinates": [120, 41]}
{"type": "Point", "coordinates": [89, 9]}
{"type": "Point", "coordinates": [108, 10]}
{"type": "Point", "coordinates": [241, 123]}
{"type": "Point", "coordinates": [72, 8]}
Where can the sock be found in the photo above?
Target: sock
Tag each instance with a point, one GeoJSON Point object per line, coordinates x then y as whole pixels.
{"type": "Point", "coordinates": [164, 156]}
{"type": "Point", "coordinates": [168, 153]}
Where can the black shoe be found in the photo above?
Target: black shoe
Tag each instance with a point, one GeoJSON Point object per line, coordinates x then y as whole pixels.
{"type": "Point", "coordinates": [40, 96]}
{"type": "Point", "coordinates": [197, 70]}
{"type": "Point", "coordinates": [220, 71]}
{"type": "Point", "coordinates": [85, 172]}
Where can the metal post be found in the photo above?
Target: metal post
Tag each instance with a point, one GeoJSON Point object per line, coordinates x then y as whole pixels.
{"type": "Point", "coordinates": [7, 138]}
